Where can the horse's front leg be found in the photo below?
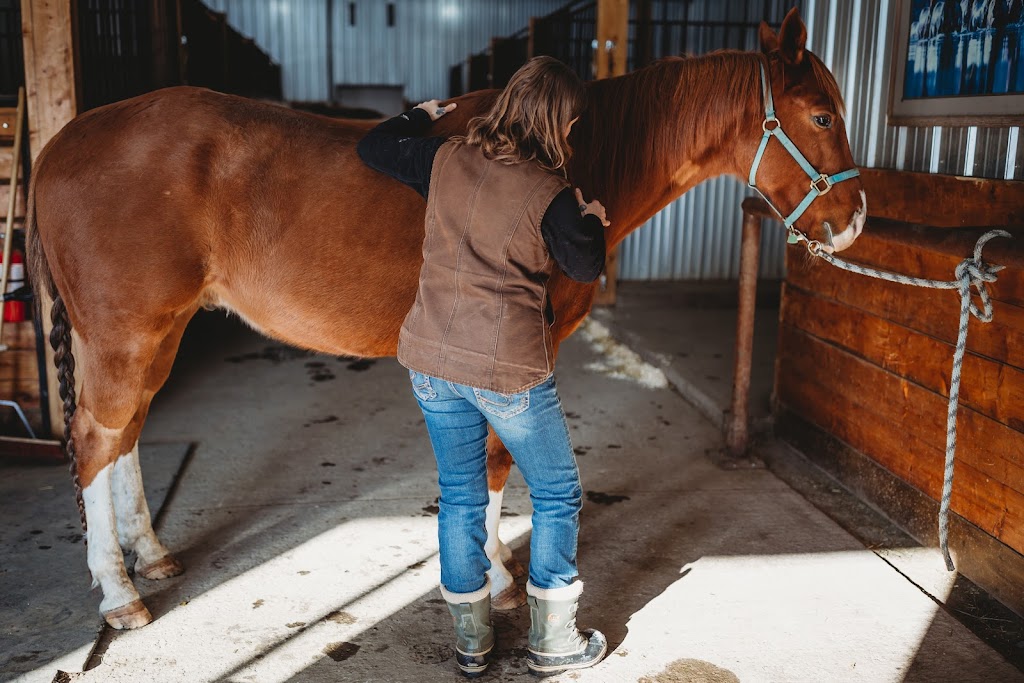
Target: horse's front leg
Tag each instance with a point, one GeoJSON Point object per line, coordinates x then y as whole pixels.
{"type": "Point", "coordinates": [505, 593]}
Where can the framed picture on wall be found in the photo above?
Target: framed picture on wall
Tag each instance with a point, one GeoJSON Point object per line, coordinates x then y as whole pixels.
{"type": "Point", "coordinates": [958, 63]}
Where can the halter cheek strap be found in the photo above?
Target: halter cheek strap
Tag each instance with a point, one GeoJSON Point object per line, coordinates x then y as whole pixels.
{"type": "Point", "coordinates": [820, 182]}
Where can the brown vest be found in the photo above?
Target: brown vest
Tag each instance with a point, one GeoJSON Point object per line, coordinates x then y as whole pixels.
{"type": "Point", "coordinates": [479, 317]}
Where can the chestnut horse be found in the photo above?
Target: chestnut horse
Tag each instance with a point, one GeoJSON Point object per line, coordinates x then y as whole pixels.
{"type": "Point", "coordinates": [144, 210]}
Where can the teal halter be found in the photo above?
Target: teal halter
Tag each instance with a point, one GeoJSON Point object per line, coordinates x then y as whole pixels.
{"type": "Point", "coordinates": [820, 183]}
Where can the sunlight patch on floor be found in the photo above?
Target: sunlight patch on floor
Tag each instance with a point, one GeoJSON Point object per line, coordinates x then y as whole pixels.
{"type": "Point", "coordinates": [771, 618]}
{"type": "Point", "coordinates": [273, 621]}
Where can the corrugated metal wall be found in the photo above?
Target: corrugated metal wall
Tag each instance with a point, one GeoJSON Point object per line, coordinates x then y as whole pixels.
{"type": "Point", "coordinates": [697, 237]}
{"type": "Point", "coordinates": [427, 38]}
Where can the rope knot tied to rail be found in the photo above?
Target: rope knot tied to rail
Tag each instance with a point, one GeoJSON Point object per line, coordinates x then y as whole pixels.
{"type": "Point", "coordinates": [971, 272]}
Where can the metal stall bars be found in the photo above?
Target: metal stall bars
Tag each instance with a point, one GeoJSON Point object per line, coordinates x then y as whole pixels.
{"type": "Point", "coordinates": [568, 34]}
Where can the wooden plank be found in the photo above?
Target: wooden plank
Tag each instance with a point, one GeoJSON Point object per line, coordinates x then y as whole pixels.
{"type": "Point", "coordinates": [30, 449]}
{"type": "Point", "coordinates": [49, 68]}
{"type": "Point", "coordinates": [932, 312]}
{"type": "Point", "coordinates": [889, 435]}
{"type": "Point", "coordinates": [6, 154]}
{"type": "Point", "coordinates": [19, 206]}
{"type": "Point", "coordinates": [26, 393]}
{"type": "Point", "coordinates": [986, 445]}
{"type": "Point", "coordinates": [908, 197]}
{"type": "Point", "coordinates": [935, 254]}
{"type": "Point", "coordinates": [8, 115]}
{"type": "Point", "coordinates": [992, 388]}
{"type": "Point", "coordinates": [50, 85]}
{"type": "Point", "coordinates": [20, 335]}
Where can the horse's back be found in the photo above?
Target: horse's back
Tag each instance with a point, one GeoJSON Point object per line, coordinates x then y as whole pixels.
{"type": "Point", "coordinates": [145, 192]}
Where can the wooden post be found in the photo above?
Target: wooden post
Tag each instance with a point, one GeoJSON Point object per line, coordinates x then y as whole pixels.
{"type": "Point", "coordinates": [47, 28]}
{"type": "Point", "coordinates": [609, 61]}
{"type": "Point", "coordinates": [530, 44]}
{"type": "Point", "coordinates": [737, 436]}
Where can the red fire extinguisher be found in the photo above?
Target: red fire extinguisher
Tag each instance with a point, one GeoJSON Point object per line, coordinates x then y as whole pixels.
{"type": "Point", "coordinates": [14, 311]}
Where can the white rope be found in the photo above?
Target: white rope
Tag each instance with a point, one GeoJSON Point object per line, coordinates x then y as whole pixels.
{"type": "Point", "coordinates": [971, 272]}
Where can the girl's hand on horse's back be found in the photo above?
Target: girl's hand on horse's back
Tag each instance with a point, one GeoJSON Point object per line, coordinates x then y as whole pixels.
{"type": "Point", "coordinates": [434, 108]}
{"type": "Point", "coordinates": [595, 207]}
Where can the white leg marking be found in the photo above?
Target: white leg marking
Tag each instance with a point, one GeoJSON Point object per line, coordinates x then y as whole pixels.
{"type": "Point", "coordinates": [106, 562]}
{"type": "Point", "coordinates": [134, 526]}
{"type": "Point", "coordinates": [500, 577]}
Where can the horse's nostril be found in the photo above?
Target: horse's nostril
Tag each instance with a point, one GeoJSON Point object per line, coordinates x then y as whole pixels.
{"type": "Point", "coordinates": [828, 235]}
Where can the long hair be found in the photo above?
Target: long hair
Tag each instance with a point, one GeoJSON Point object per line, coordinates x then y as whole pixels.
{"type": "Point", "coordinates": [529, 120]}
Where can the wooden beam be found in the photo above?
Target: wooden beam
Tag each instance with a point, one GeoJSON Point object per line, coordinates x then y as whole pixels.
{"type": "Point", "coordinates": [47, 28]}
{"type": "Point", "coordinates": [612, 33]}
{"type": "Point", "coordinates": [943, 201]}
{"type": "Point", "coordinates": [34, 450]}
{"type": "Point", "coordinates": [5, 193]}
{"type": "Point", "coordinates": [610, 57]}
{"type": "Point", "coordinates": [48, 39]}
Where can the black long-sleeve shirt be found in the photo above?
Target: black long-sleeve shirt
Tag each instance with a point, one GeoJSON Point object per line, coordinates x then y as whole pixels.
{"type": "Point", "coordinates": [394, 147]}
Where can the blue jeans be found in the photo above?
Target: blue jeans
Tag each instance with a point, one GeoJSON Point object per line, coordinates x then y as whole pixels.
{"type": "Point", "coordinates": [532, 426]}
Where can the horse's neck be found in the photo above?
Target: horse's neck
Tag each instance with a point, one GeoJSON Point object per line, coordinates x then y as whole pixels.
{"type": "Point", "coordinates": [673, 164]}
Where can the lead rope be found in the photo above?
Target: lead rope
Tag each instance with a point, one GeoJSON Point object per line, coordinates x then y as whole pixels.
{"type": "Point", "coordinates": [971, 272]}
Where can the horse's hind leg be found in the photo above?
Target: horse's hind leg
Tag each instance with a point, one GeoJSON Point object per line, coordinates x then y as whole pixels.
{"type": "Point", "coordinates": [134, 523]}
{"type": "Point", "coordinates": [505, 593]}
{"type": "Point", "coordinates": [106, 426]}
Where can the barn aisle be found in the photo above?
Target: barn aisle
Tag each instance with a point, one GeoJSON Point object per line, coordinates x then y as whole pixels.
{"type": "Point", "coordinates": [306, 520]}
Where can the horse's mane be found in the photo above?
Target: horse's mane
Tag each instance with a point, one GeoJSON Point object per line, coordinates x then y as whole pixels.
{"type": "Point", "coordinates": [693, 104]}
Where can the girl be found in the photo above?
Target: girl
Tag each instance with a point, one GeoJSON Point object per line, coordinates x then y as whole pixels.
{"type": "Point", "coordinates": [478, 343]}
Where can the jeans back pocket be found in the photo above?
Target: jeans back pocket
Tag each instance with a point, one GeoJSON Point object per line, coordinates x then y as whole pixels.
{"type": "Point", "coordinates": [502, 405]}
{"type": "Point", "coordinates": [421, 386]}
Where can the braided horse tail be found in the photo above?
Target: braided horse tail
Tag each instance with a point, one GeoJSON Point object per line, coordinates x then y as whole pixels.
{"type": "Point", "coordinates": [60, 338]}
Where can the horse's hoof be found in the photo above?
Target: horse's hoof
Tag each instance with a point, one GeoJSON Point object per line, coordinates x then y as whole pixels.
{"type": "Point", "coordinates": [164, 568]}
{"type": "Point", "coordinates": [132, 615]}
{"type": "Point", "coordinates": [512, 597]}
{"type": "Point", "coordinates": [515, 568]}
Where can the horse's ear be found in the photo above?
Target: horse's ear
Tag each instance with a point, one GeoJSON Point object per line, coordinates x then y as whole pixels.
{"type": "Point", "coordinates": [769, 40]}
{"type": "Point", "coordinates": [792, 38]}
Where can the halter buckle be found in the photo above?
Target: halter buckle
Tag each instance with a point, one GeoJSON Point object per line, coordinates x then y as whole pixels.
{"type": "Point", "coordinates": [822, 179]}
{"type": "Point", "coordinates": [766, 129]}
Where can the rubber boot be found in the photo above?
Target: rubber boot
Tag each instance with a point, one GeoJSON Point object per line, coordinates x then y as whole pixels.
{"type": "Point", "coordinates": [556, 645]}
{"type": "Point", "coordinates": [474, 636]}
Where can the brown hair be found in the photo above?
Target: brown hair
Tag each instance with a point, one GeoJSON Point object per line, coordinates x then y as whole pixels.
{"type": "Point", "coordinates": [530, 116]}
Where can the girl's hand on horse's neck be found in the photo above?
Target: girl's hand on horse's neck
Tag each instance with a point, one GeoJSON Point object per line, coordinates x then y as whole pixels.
{"type": "Point", "coordinates": [435, 110]}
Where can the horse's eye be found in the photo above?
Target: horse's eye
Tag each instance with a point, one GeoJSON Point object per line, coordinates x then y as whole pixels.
{"type": "Point", "coordinates": [822, 121]}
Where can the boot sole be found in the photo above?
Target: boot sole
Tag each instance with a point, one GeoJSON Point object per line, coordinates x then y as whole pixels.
{"type": "Point", "coordinates": [545, 670]}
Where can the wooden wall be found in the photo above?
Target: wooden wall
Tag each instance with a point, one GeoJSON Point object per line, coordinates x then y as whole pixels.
{"type": "Point", "coordinates": [869, 361]}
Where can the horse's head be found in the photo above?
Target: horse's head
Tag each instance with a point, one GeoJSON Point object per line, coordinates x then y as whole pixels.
{"type": "Point", "coordinates": [806, 170]}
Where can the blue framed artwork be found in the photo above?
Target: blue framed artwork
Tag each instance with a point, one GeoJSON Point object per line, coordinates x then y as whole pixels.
{"type": "Point", "coordinates": [958, 63]}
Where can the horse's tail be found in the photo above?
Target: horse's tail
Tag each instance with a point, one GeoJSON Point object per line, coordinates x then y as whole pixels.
{"type": "Point", "coordinates": [60, 337]}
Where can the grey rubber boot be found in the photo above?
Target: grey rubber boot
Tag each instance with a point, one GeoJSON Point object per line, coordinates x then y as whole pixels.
{"type": "Point", "coordinates": [474, 636]}
{"type": "Point", "coordinates": [556, 645]}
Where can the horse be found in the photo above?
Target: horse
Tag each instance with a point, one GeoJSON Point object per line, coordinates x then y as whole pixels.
{"type": "Point", "coordinates": [145, 210]}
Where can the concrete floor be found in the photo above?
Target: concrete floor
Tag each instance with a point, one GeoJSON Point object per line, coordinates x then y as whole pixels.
{"type": "Point", "coordinates": [305, 514]}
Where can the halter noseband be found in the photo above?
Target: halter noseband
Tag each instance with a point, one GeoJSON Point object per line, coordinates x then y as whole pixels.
{"type": "Point", "coordinates": [820, 183]}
